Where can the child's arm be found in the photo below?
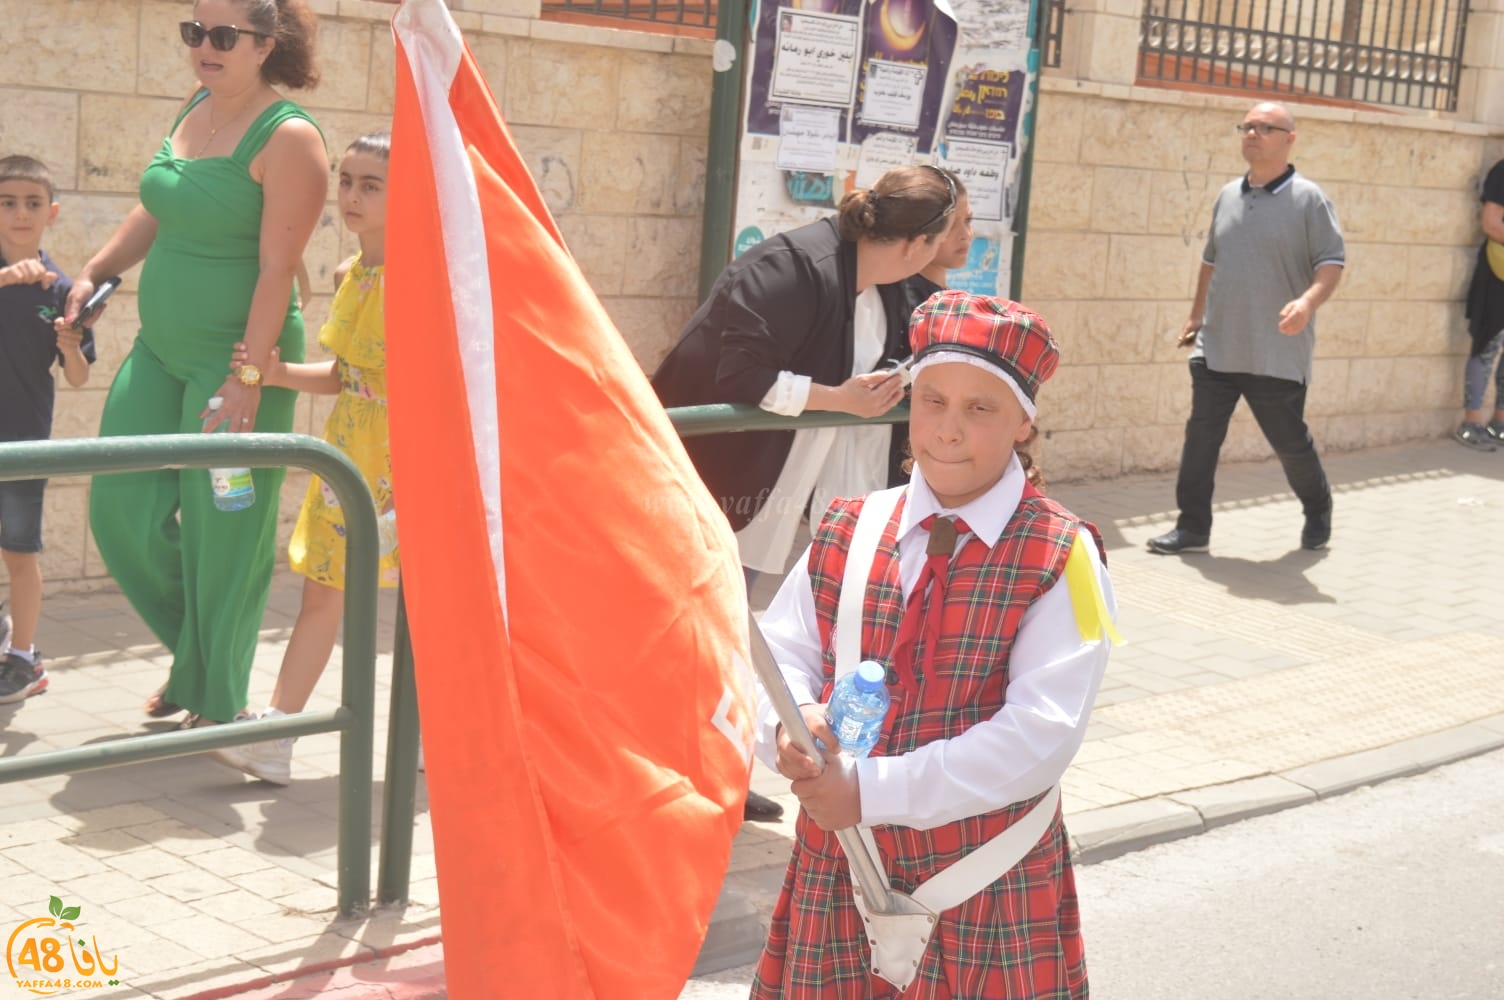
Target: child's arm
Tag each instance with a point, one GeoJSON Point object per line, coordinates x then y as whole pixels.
{"type": "Point", "coordinates": [70, 345]}
{"type": "Point", "coordinates": [318, 377]}
{"type": "Point", "coordinates": [342, 270]}
{"type": "Point", "coordinates": [1054, 672]}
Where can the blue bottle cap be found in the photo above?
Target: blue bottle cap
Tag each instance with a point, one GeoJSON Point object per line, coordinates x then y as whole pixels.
{"type": "Point", "coordinates": [871, 675]}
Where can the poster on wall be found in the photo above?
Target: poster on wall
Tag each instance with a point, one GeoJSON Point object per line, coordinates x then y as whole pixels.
{"type": "Point", "coordinates": [840, 91]}
{"type": "Point", "coordinates": [815, 58]}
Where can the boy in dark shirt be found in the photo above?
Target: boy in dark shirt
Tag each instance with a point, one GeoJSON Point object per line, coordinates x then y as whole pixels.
{"type": "Point", "coordinates": [32, 337]}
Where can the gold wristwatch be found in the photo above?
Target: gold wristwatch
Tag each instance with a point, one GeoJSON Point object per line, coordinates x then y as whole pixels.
{"type": "Point", "coordinates": [248, 375]}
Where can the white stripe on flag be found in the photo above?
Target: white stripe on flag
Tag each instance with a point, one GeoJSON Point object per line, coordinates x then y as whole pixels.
{"type": "Point", "coordinates": [427, 26]}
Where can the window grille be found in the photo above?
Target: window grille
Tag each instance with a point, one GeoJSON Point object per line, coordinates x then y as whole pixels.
{"type": "Point", "coordinates": [679, 13]}
{"type": "Point", "coordinates": [1053, 12]}
{"type": "Point", "coordinates": [1405, 53]}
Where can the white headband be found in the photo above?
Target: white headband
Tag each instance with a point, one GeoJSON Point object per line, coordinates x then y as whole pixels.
{"type": "Point", "coordinates": [961, 357]}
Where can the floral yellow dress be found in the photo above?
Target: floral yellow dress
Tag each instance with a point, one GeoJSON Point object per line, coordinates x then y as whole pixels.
{"type": "Point", "coordinates": [356, 335]}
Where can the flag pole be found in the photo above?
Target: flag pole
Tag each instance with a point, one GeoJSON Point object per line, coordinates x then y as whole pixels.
{"type": "Point", "coordinates": [869, 877]}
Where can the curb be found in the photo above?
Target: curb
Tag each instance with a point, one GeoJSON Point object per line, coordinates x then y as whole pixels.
{"type": "Point", "coordinates": [1110, 832]}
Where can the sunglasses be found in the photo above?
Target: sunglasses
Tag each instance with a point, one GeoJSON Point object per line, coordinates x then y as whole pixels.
{"type": "Point", "coordinates": [1249, 128]}
{"type": "Point", "coordinates": [950, 182]}
{"type": "Point", "coordinates": [223, 37]}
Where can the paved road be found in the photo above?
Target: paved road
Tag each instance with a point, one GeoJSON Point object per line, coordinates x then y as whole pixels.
{"type": "Point", "coordinates": [1388, 893]}
{"type": "Point", "coordinates": [1394, 892]}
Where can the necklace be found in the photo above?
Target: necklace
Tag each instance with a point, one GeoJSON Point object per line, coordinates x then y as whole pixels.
{"type": "Point", "coordinates": [215, 131]}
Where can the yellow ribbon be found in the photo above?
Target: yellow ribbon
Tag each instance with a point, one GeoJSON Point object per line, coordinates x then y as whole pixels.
{"type": "Point", "coordinates": [1496, 258]}
{"type": "Point", "coordinates": [1092, 618]}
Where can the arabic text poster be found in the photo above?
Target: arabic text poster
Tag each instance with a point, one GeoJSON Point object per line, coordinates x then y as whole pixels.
{"type": "Point", "coordinates": [808, 138]}
{"type": "Point", "coordinates": [816, 58]}
{"type": "Point", "coordinates": [893, 94]}
{"type": "Point", "coordinates": [983, 168]}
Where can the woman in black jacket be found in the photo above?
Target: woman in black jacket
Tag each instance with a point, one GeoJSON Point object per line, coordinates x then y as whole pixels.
{"type": "Point", "coordinates": [803, 321]}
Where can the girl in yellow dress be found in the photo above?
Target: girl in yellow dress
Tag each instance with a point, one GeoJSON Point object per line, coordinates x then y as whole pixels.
{"type": "Point", "coordinates": [355, 335]}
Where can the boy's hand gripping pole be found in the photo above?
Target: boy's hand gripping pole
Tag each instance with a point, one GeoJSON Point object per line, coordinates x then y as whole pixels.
{"type": "Point", "coordinates": [864, 868]}
{"type": "Point", "coordinates": [898, 926]}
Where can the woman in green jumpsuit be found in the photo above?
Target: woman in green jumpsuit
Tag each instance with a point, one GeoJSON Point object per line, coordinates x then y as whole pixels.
{"type": "Point", "coordinates": [227, 206]}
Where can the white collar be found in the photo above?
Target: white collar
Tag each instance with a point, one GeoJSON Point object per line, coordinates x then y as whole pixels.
{"type": "Point", "coordinates": [986, 516]}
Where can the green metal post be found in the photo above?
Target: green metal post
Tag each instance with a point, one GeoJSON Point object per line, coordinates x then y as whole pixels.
{"type": "Point", "coordinates": [400, 799]}
{"type": "Point", "coordinates": [725, 130]}
{"type": "Point", "coordinates": [354, 719]}
{"type": "Point", "coordinates": [1026, 168]}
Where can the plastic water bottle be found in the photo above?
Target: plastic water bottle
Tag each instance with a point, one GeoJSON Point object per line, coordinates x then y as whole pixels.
{"type": "Point", "coordinates": [233, 487]}
{"type": "Point", "coordinates": [858, 706]}
{"type": "Point", "coordinates": [386, 531]}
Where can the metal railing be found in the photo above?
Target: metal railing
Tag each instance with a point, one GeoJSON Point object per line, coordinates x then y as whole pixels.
{"type": "Point", "coordinates": [353, 720]}
{"type": "Point", "coordinates": [1052, 34]}
{"type": "Point", "coordinates": [1405, 53]}
{"type": "Point", "coordinates": [689, 13]}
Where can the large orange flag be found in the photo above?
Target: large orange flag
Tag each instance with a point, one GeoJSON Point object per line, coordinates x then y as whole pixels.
{"type": "Point", "coordinates": [577, 611]}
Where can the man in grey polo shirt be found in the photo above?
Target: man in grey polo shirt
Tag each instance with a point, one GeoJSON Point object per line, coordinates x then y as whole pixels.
{"type": "Point", "coordinates": [1273, 255]}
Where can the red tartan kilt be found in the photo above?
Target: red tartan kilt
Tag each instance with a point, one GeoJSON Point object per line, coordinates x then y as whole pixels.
{"type": "Point", "coordinates": [1018, 939]}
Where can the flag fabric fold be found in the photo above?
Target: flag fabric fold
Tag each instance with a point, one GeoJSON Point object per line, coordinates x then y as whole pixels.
{"type": "Point", "coordinates": [574, 596]}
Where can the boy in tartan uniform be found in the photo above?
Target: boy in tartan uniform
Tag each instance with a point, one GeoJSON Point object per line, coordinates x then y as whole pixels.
{"type": "Point", "coordinates": [996, 640]}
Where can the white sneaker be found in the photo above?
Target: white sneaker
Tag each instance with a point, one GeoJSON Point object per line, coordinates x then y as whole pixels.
{"type": "Point", "coordinates": [270, 760]}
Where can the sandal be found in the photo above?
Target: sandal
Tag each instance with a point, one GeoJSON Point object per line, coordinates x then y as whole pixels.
{"type": "Point", "coordinates": [158, 707]}
{"type": "Point", "coordinates": [196, 721]}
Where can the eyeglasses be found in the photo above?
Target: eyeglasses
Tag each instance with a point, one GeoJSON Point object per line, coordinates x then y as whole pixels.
{"type": "Point", "coordinates": [950, 182]}
{"type": "Point", "coordinates": [1248, 128]}
{"type": "Point", "coordinates": [223, 37]}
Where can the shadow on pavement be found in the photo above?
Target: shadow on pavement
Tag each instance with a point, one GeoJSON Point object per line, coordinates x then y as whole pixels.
{"type": "Point", "coordinates": [1281, 581]}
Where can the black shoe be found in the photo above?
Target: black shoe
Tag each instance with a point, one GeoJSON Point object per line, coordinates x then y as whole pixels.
{"type": "Point", "coordinates": [1175, 541]}
{"type": "Point", "coordinates": [1476, 437]}
{"type": "Point", "coordinates": [1317, 532]}
{"type": "Point", "coordinates": [761, 808]}
{"type": "Point", "coordinates": [20, 679]}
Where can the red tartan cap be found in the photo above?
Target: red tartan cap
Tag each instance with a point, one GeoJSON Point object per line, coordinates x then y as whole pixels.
{"type": "Point", "coordinates": [1008, 337]}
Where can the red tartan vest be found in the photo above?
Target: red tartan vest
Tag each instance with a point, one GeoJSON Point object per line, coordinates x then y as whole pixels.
{"type": "Point", "coordinates": [987, 593]}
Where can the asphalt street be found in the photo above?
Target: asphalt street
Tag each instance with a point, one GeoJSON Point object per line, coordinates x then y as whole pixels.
{"type": "Point", "coordinates": [1393, 892]}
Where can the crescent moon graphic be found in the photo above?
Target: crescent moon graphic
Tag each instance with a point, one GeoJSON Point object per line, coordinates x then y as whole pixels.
{"type": "Point", "coordinates": [903, 24]}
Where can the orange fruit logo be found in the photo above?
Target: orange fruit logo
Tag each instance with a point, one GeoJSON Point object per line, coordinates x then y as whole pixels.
{"type": "Point", "coordinates": [34, 954]}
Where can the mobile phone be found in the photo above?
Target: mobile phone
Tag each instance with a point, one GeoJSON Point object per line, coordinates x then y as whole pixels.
{"type": "Point", "coordinates": [902, 368]}
{"type": "Point", "coordinates": [96, 302]}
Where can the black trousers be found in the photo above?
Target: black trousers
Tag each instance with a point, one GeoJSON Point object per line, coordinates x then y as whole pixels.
{"type": "Point", "coordinates": [1279, 406]}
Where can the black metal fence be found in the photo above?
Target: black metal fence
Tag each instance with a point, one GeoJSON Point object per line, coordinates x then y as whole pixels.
{"type": "Point", "coordinates": [1053, 14]}
{"type": "Point", "coordinates": [1405, 53]}
{"type": "Point", "coordinates": [688, 13]}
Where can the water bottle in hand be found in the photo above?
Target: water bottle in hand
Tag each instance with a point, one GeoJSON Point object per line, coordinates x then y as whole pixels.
{"type": "Point", "coordinates": [233, 487]}
{"type": "Point", "coordinates": [858, 706]}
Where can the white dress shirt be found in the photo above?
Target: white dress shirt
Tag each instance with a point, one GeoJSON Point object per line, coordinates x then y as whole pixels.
{"type": "Point", "coordinates": [824, 462]}
{"type": "Point", "coordinates": [1053, 677]}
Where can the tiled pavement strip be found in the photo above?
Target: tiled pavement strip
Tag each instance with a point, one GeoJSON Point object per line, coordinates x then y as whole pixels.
{"type": "Point", "coordinates": [1257, 677]}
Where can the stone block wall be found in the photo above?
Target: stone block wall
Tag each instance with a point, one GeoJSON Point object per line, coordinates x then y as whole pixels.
{"type": "Point", "coordinates": [1123, 183]}
{"type": "Point", "coordinates": [612, 123]}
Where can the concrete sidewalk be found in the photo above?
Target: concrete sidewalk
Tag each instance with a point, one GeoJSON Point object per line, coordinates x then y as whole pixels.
{"type": "Point", "coordinates": [1257, 677]}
